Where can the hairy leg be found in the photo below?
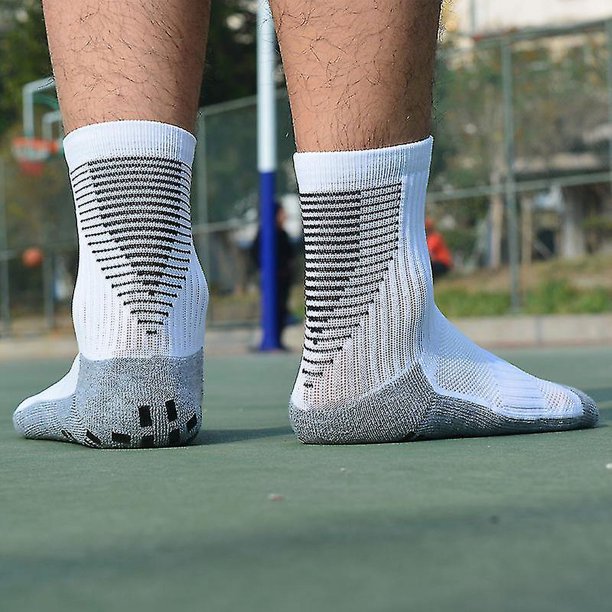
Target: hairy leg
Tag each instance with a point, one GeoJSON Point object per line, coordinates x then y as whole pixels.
{"type": "Point", "coordinates": [380, 362]}
{"type": "Point", "coordinates": [134, 59]}
{"type": "Point", "coordinates": [128, 76]}
{"type": "Point", "coordinates": [359, 73]}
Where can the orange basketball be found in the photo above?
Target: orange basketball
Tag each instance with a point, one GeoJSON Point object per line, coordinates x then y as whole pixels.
{"type": "Point", "coordinates": [32, 257]}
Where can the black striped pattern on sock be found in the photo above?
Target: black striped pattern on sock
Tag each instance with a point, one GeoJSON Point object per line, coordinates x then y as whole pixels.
{"type": "Point", "coordinates": [350, 238]}
{"type": "Point", "coordinates": [135, 216]}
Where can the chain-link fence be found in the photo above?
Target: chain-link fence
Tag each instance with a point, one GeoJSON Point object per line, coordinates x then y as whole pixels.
{"type": "Point", "coordinates": [521, 171]}
{"type": "Point", "coordinates": [38, 243]}
{"type": "Point", "coordinates": [522, 167]}
{"type": "Point", "coordinates": [226, 185]}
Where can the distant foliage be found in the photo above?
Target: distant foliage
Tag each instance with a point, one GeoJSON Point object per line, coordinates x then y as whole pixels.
{"type": "Point", "coordinates": [556, 296]}
{"type": "Point", "coordinates": [559, 110]}
{"type": "Point", "coordinates": [230, 62]}
{"type": "Point", "coordinates": [24, 55]}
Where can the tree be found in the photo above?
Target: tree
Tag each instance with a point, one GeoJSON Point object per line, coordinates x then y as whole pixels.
{"type": "Point", "coordinates": [24, 55]}
{"type": "Point", "coordinates": [558, 96]}
{"type": "Point", "coordinates": [230, 63]}
{"type": "Point", "coordinates": [230, 67]}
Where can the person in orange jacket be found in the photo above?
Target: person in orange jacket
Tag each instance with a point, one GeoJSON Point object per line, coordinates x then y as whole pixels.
{"type": "Point", "coordinates": [439, 253]}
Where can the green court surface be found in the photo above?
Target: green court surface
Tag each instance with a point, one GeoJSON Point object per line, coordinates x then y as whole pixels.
{"type": "Point", "coordinates": [249, 519]}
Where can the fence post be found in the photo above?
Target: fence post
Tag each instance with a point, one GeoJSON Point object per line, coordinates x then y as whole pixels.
{"type": "Point", "coordinates": [201, 195]}
{"type": "Point", "coordinates": [48, 272]}
{"type": "Point", "coordinates": [5, 288]}
{"type": "Point", "coordinates": [510, 183]}
{"type": "Point", "coordinates": [609, 86]}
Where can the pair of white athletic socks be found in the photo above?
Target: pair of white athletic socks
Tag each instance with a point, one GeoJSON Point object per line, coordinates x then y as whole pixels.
{"type": "Point", "coordinates": [380, 362]}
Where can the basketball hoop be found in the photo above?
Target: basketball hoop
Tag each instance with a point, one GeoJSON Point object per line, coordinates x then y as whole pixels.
{"type": "Point", "coordinates": [32, 153]}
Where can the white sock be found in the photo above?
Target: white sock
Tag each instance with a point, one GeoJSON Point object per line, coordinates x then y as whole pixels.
{"type": "Point", "coordinates": [380, 361]}
{"type": "Point", "coordinates": [140, 298]}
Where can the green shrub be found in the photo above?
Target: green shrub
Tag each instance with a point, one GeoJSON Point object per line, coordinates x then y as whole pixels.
{"type": "Point", "coordinates": [463, 303]}
{"type": "Point", "coordinates": [553, 297]}
{"type": "Point", "coordinates": [560, 297]}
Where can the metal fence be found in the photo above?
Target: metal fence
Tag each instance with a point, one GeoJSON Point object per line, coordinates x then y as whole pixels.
{"type": "Point", "coordinates": [521, 170]}
{"type": "Point", "coordinates": [524, 147]}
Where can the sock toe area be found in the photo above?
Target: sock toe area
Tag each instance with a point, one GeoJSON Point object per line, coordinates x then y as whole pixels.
{"type": "Point", "coordinates": [42, 419]}
{"type": "Point", "coordinates": [590, 412]}
{"type": "Point", "coordinates": [42, 415]}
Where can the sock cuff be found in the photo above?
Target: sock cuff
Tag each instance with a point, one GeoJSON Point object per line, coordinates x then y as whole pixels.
{"type": "Point", "coordinates": [114, 139]}
{"type": "Point", "coordinates": [355, 169]}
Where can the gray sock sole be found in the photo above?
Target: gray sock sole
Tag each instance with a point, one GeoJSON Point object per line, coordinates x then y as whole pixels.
{"type": "Point", "coordinates": [125, 403]}
{"type": "Point", "coordinates": [409, 409]}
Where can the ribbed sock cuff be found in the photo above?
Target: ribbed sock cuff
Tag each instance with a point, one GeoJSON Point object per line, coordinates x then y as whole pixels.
{"type": "Point", "coordinates": [355, 169]}
{"type": "Point", "coordinates": [128, 138]}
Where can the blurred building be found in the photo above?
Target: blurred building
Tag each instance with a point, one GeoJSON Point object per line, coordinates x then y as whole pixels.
{"type": "Point", "coordinates": [485, 17]}
{"type": "Point", "coordinates": [560, 107]}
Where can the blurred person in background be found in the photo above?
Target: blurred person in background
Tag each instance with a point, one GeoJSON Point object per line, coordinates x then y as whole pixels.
{"type": "Point", "coordinates": [285, 268]}
{"type": "Point", "coordinates": [439, 253]}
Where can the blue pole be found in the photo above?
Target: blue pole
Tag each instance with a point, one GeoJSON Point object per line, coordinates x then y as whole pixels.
{"type": "Point", "coordinates": [267, 257]}
{"type": "Point", "coordinates": [266, 163]}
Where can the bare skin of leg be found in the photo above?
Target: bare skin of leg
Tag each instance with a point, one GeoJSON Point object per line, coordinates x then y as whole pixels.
{"type": "Point", "coordinates": [359, 73]}
{"type": "Point", "coordinates": [134, 59]}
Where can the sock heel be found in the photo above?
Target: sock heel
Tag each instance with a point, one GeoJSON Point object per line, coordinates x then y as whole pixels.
{"type": "Point", "coordinates": [385, 415]}
{"type": "Point", "coordinates": [138, 402]}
